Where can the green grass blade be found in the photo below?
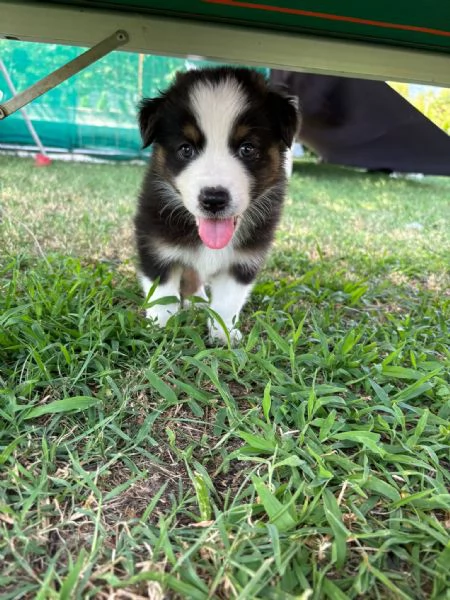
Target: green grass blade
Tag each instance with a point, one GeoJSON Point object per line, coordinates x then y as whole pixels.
{"type": "Point", "coordinates": [75, 404]}
{"type": "Point", "coordinates": [276, 511]}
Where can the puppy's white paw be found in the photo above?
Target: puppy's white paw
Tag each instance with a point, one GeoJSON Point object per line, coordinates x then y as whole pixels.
{"type": "Point", "coordinates": [218, 336]}
{"type": "Point", "coordinates": [160, 314]}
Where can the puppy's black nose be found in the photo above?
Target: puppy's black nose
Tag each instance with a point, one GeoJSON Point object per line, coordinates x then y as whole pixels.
{"type": "Point", "coordinates": [214, 199]}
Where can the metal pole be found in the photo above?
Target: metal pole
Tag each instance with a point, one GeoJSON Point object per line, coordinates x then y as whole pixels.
{"type": "Point", "coordinates": [26, 118]}
{"type": "Point", "coordinates": [119, 38]}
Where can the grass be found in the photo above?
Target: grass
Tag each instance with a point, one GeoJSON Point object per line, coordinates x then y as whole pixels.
{"type": "Point", "coordinates": [312, 461]}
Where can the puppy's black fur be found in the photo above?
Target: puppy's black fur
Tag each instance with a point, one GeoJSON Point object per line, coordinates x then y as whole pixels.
{"type": "Point", "coordinates": [269, 121]}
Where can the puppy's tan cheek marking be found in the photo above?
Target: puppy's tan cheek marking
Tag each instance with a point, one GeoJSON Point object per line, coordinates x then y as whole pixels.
{"type": "Point", "coordinates": [274, 167]}
{"type": "Point", "coordinates": [160, 162]}
{"type": "Point", "coordinates": [159, 158]}
{"type": "Point", "coordinates": [275, 158]}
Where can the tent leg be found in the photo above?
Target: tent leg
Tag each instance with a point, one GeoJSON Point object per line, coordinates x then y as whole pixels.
{"type": "Point", "coordinates": [119, 38]}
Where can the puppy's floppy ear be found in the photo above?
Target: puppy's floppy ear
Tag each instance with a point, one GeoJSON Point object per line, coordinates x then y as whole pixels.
{"type": "Point", "coordinates": [148, 117]}
{"type": "Point", "coordinates": [284, 114]}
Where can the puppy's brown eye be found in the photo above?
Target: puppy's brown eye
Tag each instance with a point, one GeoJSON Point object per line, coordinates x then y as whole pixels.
{"type": "Point", "coordinates": [247, 151]}
{"type": "Point", "coordinates": [186, 151]}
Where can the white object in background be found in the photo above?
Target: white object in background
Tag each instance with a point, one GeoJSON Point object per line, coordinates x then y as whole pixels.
{"type": "Point", "coordinates": [297, 150]}
{"type": "Point", "coordinates": [289, 162]}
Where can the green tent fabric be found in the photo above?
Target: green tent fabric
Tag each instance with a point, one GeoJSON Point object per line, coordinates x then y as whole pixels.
{"type": "Point", "coordinates": [95, 111]}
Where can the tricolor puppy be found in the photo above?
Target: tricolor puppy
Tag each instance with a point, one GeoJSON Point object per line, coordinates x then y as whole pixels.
{"type": "Point", "coordinates": [214, 189]}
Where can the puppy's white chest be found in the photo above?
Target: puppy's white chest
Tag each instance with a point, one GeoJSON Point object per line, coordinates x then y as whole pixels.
{"type": "Point", "coordinates": [205, 261]}
{"type": "Point", "coordinates": [210, 262]}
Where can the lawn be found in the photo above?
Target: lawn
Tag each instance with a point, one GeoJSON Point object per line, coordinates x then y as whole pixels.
{"type": "Point", "coordinates": [310, 462]}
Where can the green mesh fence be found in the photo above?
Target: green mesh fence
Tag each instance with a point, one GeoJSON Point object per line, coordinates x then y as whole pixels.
{"type": "Point", "coordinates": [95, 111]}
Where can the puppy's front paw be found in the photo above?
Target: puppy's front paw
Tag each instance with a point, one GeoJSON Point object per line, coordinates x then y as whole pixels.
{"type": "Point", "coordinates": [218, 336]}
{"type": "Point", "coordinates": [160, 314]}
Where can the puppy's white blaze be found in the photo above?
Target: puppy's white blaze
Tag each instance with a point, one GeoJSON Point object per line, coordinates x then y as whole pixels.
{"type": "Point", "coordinates": [216, 108]}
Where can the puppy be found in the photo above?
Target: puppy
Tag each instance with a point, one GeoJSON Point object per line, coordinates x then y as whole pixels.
{"type": "Point", "coordinates": [213, 192]}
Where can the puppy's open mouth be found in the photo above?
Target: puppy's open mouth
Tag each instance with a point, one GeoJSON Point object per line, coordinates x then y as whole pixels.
{"type": "Point", "coordinates": [216, 233]}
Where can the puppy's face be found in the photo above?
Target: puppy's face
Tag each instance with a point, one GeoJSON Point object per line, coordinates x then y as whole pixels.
{"type": "Point", "coordinates": [219, 139]}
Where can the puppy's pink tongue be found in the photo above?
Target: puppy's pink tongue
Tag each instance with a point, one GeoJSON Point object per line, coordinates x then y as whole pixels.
{"type": "Point", "coordinates": [216, 233]}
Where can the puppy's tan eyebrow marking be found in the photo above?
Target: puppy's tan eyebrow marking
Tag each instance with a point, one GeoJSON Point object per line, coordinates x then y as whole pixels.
{"type": "Point", "coordinates": [192, 133]}
{"type": "Point", "coordinates": [240, 132]}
